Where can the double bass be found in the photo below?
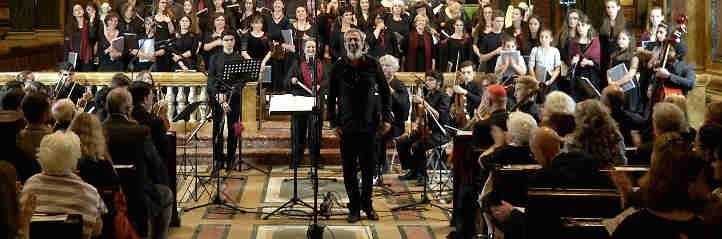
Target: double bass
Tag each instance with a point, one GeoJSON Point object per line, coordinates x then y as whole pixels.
{"type": "Point", "coordinates": [662, 90]}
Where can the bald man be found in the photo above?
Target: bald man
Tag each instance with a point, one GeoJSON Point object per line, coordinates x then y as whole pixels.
{"type": "Point", "coordinates": [544, 144]}
{"type": "Point", "coordinates": [63, 111]}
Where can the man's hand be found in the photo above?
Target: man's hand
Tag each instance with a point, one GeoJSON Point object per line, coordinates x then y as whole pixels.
{"type": "Point", "coordinates": [575, 59]}
{"type": "Point", "coordinates": [294, 80]}
{"type": "Point", "coordinates": [586, 62]}
{"type": "Point", "coordinates": [385, 127]}
{"type": "Point", "coordinates": [502, 212]}
{"type": "Point", "coordinates": [458, 90]}
{"type": "Point", "coordinates": [662, 73]}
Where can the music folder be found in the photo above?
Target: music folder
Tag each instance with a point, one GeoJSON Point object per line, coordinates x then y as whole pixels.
{"type": "Point", "coordinates": [618, 72]}
{"type": "Point", "coordinates": [290, 103]}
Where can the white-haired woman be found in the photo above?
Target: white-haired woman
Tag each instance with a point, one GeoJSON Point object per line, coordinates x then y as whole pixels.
{"type": "Point", "coordinates": [558, 113]}
{"type": "Point", "coordinates": [399, 106]}
{"type": "Point", "coordinates": [58, 189]}
{"type": "Point", "coordinates": [511, 147]}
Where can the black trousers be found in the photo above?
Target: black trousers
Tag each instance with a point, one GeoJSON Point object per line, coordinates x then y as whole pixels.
{"type": "Point", "coordinates": [358, 151]}
{"type": "Point", "coordinates": [231, 118]}
{"type": "Point", "coordinates": [412, 152]}
{"type": "Point", "coordinates": [464, 216]}
{"type": "Point", "coordinates": [305, 133]}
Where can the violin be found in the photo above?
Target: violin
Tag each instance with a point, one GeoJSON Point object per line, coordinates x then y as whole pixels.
{"type": "Point", "coordinates": [420, 109]}
{"type": "Point", "coordinates": [458, 106]}
{"type": "Point", "coordinates": [662, 90]}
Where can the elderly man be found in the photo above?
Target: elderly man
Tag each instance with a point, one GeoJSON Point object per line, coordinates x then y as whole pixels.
{"type": "Point", "coordinates": [130, 143]}
{"type": "Point", "coordinates": [399, 106]}
{"type": "Point", "coordinates": [558, 112]}
{"type": "Point", "coordinates": [58, 189]}
{"type": "Point", "coordinates": [63, 111]}
{"type": "Point", "coordinates": [358, 90]}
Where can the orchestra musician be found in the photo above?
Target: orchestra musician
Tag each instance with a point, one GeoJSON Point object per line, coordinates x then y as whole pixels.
{"type": "Point", "coordinates": [227, 100]}
{"type": "Point", "coordinates": [470, 88]}
{"type": "Point", "coordinates": [676, 75]}
{"type": "Point", "coordinates": [525, 92]}
{"type": "Point", "coordinates": [399, 107]}
{"type": "Point", "coordinates": [412, 148]}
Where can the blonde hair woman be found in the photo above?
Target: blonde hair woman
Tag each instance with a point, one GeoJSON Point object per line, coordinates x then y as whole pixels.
{"type": "Point", "coordinates": [94, 165]}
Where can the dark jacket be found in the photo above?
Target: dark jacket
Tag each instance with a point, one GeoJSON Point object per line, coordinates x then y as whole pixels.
{"type": "Point", "coordinates": [441, 102]}
{"type": "Point", "coordinates": [473, 98]}
{"type": "Point", "coordinates": [400, 107]}
{"type": "Point", "coordinates": [215, 83]}
{"type": "Point", "coordinates": [390, 45]}
{"type": "Point", "coordinates": [358, 99]}
{"type": "Point", "coordinates": [130, 143]}
{"type": "Point", "coordinates": [682, 76]}
{"type": "Point", "coordinates": [571, 170]}
{"type": "Point", "coordinates": [295, 71]}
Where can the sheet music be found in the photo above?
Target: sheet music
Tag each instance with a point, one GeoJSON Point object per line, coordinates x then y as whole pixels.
{"type": "Point", "coordinates": [49, 218]}
{"type": "Point", "coordinates": [618, 72]}
{"type": "Point", "coordinates": [287, 36]}
{"type": "Point", "coordinates": [118, 43]}
{"type": "Point", "coordinates": [73, 59]}
{"type": "Point", "coordinates": [146, 46]}
{"type": "Point", "coordinates": [290, 103]}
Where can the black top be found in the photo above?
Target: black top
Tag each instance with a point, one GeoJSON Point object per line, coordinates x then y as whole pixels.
{"type": "Point", "coordinates": [298, 37]}
{"type": "Point", "coordinates": [473, 97]}
{"type": "Point", "coordinates": [273, 29]}
{"type": "Point", "coordinates": [384, 44]}
{"type": "Point", "coordinates": [644, 224]}
{"type": "Point", "coordinates": [358, 94]}
{"type": "Point", "coordinates": [399, 106]}
{"type": "Point", "coordinates": [215, 83]}
{"type": "Point", "coordinates": [400, 27]}
{"type": "Point", "coordinates": [106, 63]}
{"type": "Point", "coordinates": [571, 170]}
{"type": "Point", "coordinates": [506, 155]}
{"type": "Point", "coordinates": [337, 48]}
{"type": "Point", "coordinates": [488, 43]}
{"type": "Point", "coordinates": [135, 26]}
{"type": "Point", "coordinates": [162, 32]}
{"type": "Point", "coordinates": [257, 47]}
{"type": "Point", "coordinates": [187, 42]}
{"type": "Point", "coordinates": [441, 102]}
{"type": "Point", "coordinates": [454, 51]}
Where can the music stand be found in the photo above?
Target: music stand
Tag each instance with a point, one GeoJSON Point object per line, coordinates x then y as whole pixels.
{"type": "Point", "coordinates": [290, 104]}
{"type": "Point", "coordinates": [185, 116]}
{"type": "Point", "coordinates": [233, 71]}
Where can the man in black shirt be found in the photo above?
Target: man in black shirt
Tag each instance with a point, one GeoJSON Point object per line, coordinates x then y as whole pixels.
{"type": "Point", "coordinates": [227, 100]}
{"type": "Point", "coordinates": [471, 89]}
{"type": "Point", "coordinates": [412, 149]}
{"type": "Point", "coordinates": [358, 103]}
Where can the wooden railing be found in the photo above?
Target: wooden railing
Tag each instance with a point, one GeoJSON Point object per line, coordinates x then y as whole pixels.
{"type": "Point", "coordinates": [182, 89]}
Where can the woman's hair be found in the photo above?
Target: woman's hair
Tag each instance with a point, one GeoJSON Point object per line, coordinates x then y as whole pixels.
{"type": "Point", "coordinates": [109, 16]}
{"type": "Point", "coordinates": [59, 152]}
{"type": "Point", "coordinates": [649, 23]}
{"type": "Point", "coordinates": [9, 206]}
{"type": "Point", "coordinates": [390, 60]}
{"type": "Point", "coordinates": [527, 82]}
{"type": "Point", "coordinates": [668, 117]}
{"type": "Point", "coordinates": [597, 133]}
{"type": "Point", "coordinates": [564, 33]}
{"type": "Point", "coordinates": [90, 133]}
{"type": "Point", "coordinates": [632, 41]}
{"type": "Point", "coordinates": [559, 102]}
{"type": "Point", "coordinates": [257, 18]}
{"type": "Point", "coordinates": [584, 19]}
{"type": "Point", "coordinates": [541, 25]}
{"type": "Point", "coordinates": [520, 126]}
{"type": "Point", "coordinates": [168, 10]}
{"type": "Point", "coordinates": [673, 167]}
{"type": "Point", "coordinates": [680, 101]}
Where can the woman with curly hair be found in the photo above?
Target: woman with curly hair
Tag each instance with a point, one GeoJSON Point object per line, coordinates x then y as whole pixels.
{"type": "Point", "coordinates": [596, 133]}
{"type": "Point", "coordinates": [94, 165]}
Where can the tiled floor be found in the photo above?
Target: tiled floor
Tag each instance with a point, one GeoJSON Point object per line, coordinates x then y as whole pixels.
{"type": "Point", "coordinates": [258, 193]}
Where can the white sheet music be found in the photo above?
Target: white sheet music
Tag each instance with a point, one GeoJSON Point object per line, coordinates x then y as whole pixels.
{"type": "Point", "coordinates": [290, 103]}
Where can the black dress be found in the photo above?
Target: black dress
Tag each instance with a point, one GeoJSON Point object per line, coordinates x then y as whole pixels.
{"type": "Point", "coordinates": [162, 33]}
{"type": "Point", "coordinates": [187, 42]}
{"type": "Point", "coordinates": [298, 35]}
{"type": "Point", "coordinates": [257, 47]}
{"type": "Point", "coordinates": [486, 44]}
{"type": "Point", "coordinates": [454, 51]}
{"type": "Point", "coordinates": [398, 27]}
{"type": "Point", "coordinates": [278, 66]}
{"type": "Point", "coordinates": [106, 63]}
{"type": "Point", "coordinates": [632, 96]}
{"type": "Point", "coordinates": [208, 37]}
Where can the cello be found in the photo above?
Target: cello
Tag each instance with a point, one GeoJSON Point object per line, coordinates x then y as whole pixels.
{"type": "Point", "coordinates": [662, 59]}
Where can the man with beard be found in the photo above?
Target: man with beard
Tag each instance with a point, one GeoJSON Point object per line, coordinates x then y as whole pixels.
{"type": "Point", "coordinates": [359, 101]}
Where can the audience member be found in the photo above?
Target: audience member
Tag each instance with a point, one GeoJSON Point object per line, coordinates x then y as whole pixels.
{"type": "Point", "coordinates": [596, 134]}
{"type": "Point", "coordinates": [629, 123]}
{"type": "Point", "coordinates": [130, 143]}
{"type": "Point", "coordinates": [512, 147]}
{"type": "Point", "coordinates": [671, 191]}
{"type": "Point", "coordinates": [154, 116]}
{"type": "Point", "coordinates": [118, 80]}
{"type": "Point", "coordinates": [58, 189]}
{"type": "Point", "coordinates": [15, 208]}
{"type": "Point", "coordinates": [36, 110]}
{"type": "Point", "coordinates": [63, 111]}
{"type": "Point", "coordinates": [681, 102]}
{"type": "Point", "coordinates": [558, 113]}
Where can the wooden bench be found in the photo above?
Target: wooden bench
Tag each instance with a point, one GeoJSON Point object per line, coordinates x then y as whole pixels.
{"type": "Point", "coordinates": [53, 225]}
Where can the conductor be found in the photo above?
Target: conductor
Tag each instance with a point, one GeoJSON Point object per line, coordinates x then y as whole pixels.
{"type": "Point", "coordinates": [359, 100]}
{"type": "Point", "coordinates": [227, 100]}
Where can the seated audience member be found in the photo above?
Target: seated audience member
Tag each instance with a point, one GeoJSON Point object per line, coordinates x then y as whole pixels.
{"type": "Point", "coordinates": [596, 134]}
{"type": "Point", "coordinates": [16, 210]}
{"type": "Point", "coordinates": [94, 165]}
{"type": "Point", "coordinates": [63, 111]}
{"type": "Point", "coordinates": [710, 149]}
{"type": "Point", "coordinates": [118, 80]}
{"type": "Point", "coordinates": [512, 147]}
{"type": "Point", "coordinates": [671, 191]}
{"type": "Point", "coordinates": [154, 116]}
{"type": "Point", "coordinates": [130, 143]}
{"type": "Point", "coordinates": [629, 122]}
{"type": "Point", "coordinates": [558, 113]}
{"type": "Point", "coordinates": [666, 118]}
{"type": "Point", "coordinates": [58, 189]}
{"type": "Point", "coordinates": [36, 110]}
{"type": "Point", "coordinates": [714, 113]}
{"type": "Point", "coordinates": [681, 102]}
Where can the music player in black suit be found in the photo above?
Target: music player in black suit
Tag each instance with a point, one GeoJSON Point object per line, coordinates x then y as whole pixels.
{"type": "Point", "coordinates": [359, 106]}
{"type": "Point", "coordinates": [227, 99]}
{"type": "Point", "coordinates": [307, 71]}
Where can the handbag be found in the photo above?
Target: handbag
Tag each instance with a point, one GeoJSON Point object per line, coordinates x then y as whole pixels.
{"type": "Point", "coordinates": [123, 227]}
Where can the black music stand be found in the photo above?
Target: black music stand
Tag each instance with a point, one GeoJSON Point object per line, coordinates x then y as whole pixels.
{"type": "Point", "coordinates": [233, 72]}
{"type": "Point", "coordinates": [185, 116]}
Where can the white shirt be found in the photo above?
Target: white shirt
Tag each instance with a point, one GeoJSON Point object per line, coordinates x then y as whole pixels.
{"type": "Point", "coordinates": [544, 58]}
